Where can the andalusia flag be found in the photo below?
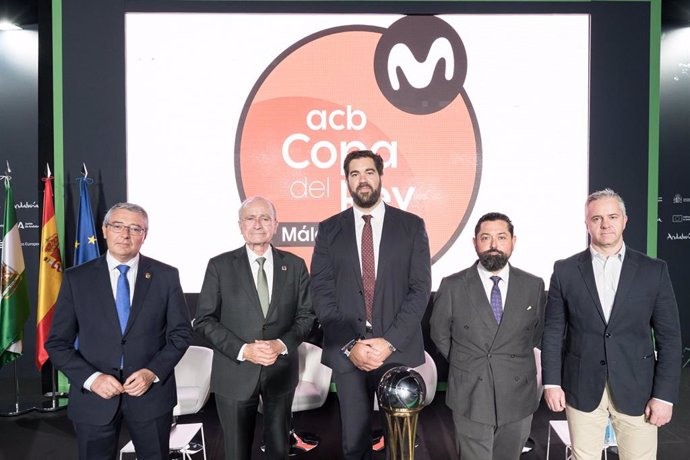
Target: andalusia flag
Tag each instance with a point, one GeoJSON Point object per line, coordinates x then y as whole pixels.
{"type": "Point", "coordinates": [49, 273]}
{"type": "Point", "coordinates": [14, 306]}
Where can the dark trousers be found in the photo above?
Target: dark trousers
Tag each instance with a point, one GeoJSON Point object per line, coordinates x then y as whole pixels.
{"type": "Point", "coordinates": [356, 392]}
{"type": "Point", "coordinates": [477, 441]}
{"type": "Point", "coordinates": [238, 418]}
{"type": "Point", "coordinates": [151, 437]}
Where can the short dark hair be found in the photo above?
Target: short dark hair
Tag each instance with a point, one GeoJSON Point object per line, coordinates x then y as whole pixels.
{"type": "Point", "coordinates": [492, 216]}
{"type": "Point", "coordinates": [356, 154]}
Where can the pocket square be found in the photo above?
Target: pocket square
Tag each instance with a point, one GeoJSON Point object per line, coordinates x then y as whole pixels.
{"type": "Point", "coordinates": [530, 307]}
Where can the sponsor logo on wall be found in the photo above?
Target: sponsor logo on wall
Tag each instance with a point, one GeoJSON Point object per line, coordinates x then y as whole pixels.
{"type": "Point", "coordinates": [363, 87]}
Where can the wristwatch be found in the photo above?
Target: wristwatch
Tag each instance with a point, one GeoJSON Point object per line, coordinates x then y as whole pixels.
{"type": "Point", "coordinates": [390, 346]}
{"type": "Point", "coordinates": [347, 348]}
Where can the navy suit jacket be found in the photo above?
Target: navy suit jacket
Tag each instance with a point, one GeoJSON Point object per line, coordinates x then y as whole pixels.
{"type": "Point", "coordinates": [403, 286]}
{"type": "Point", "coordinates": [229, 315]}
{"type": "Point", "coordinates": [158, 333]}
{"type": "Point", "coordinates": [581, 351]}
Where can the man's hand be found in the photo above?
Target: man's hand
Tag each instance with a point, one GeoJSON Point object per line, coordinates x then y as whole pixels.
{"type": "Point", "coordinates": [263, 352]}
{"type": "Point", "coordinates": [658, 413]}
{"type": "Point", "coordinates": [365, 357]}
{"type": "Point", "coordinates": [381, 345]}
{"type": "Point", "coordinates": [555, 399]}
{"type": "Point", "coordinates": [106, 386]}
{"type": "Point", "coordinates": [139, 382]}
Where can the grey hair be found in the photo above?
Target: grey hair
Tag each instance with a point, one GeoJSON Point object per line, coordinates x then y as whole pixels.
{"type": "Point", "coordinates": [606, 193]}
{"type": "Point", "coordinates": [127, 207]}
{"type": "Point", "coordinates": [252, 199]}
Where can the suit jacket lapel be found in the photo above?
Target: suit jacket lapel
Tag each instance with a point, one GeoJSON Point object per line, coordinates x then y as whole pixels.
{"type": "Point", "coordinates": [242, 268]}
{"type": "Point", "coordinates": [587, 272]}
{"type": "Point", "coordinates": [479, 300]}
{"type": "Point", "coordinates": [347, 226]}
{"type": "Point", "coordinates": [387, 246]}
{"type": "Point", "coordinates": [103, 285]}
{"type": "Point", "coordinates": [280, 272]}
{"type": "Point", "coordinates": [141, 288]}
{"type": "Point", "coordinates": [625, 282]}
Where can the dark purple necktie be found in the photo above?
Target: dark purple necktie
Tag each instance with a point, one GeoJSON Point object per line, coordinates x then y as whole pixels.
{"type": "Point", "coordinates": [368, 270]}
{"type": "Point", "coordinates": [496, 304]}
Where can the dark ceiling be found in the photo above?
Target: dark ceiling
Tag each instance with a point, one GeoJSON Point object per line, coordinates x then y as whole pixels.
{"type": "Point", "coordinates": [25, 12]}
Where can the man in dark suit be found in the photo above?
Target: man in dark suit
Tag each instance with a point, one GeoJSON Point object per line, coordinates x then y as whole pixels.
{"type": "Point", "coordinates": [611, 345]}
{"type": "Point", "coordinates": [486, 321]}
{"type": "Point", "coordinates": [255, 309]}
{"type": "Point", "coordinates": [371, 281]}
{"type": "Point", "coordinates": [129, 315]}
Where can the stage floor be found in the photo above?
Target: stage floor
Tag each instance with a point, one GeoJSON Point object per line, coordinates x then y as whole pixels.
{"type": "Point", "coordinates": [40, 436]}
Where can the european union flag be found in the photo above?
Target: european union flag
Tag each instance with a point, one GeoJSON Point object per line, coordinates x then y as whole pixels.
{"type": "Point", "coordinates": [86, 243]}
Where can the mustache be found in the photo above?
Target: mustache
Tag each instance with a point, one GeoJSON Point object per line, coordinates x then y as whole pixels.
{"type": "Point", "coordinates": [491, 252]}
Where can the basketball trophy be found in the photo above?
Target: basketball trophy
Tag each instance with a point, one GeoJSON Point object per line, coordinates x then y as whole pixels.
{"type": "Point", "coordinates": [401, 394]}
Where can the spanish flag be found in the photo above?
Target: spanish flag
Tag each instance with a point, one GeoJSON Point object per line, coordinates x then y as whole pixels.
{"type": "Point", "coordinates": [49, 273]}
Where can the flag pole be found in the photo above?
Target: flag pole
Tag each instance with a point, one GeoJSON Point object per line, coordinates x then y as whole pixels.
{"type": "Point", "coordinates": [17, 408]}
{"type": "Point", "coordinates": [49, 281]}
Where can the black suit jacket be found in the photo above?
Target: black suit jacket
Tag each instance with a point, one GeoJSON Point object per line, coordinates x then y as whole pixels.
{"type": "Point", "coordinates": [229, 315]}
{"type": "Point", "coordinates": [581, 352]}
{"type": "Point", "coordinates": [403, 286]}
{"type": "Point", "coordinates": [158, 333]}
{"type": "Point", "coordinates": [493, 375]}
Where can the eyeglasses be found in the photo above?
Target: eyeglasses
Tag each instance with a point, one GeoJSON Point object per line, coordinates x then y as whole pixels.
{"type": "Point", "coordinates": [263, 220]}
{"type": "Point", "coordinates": [132, 229]}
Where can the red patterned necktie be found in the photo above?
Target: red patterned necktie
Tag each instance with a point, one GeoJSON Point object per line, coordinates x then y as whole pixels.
{"type": "Point", "coordinates": [368, 270]}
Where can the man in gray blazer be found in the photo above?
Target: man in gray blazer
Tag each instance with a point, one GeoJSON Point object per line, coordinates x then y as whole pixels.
{"type": "Point", "coordinates": [612, 345]}
{"type": "Point", "coordinates": [486, 321]}
{"type": "Point", "coordinates": [255, 309]}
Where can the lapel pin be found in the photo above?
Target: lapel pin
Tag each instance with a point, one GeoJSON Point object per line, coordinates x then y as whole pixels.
{"type": "Point", "coordinates": [530, 307]}
{"type": "Point", "coordinates": [284, 268]}
{"type": "Point", "coordinates": [147, 276]}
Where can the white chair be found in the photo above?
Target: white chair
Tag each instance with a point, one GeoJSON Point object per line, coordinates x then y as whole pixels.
{"type": "Point", "coordinates": [429, 374]}
{"type": "Point", "coordinates": [560, 427]}
{"type": "Point", "coordinates": [193, 380]}
{"type": "Point", "coordinates": [311, 393]}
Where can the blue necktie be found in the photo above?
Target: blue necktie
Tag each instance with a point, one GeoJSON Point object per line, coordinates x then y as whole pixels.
{"type": "Point", "coordinates": [122, 296]}
{"type": "Point", "coordinates": [496, 304]}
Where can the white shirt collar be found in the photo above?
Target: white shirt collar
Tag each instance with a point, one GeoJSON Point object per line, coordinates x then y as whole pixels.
{"type": "Point", "coordinates": [596, 255]}
{"type": "Point", "coordinates": [377, 213]}
{"type": "Point", "coordinates": [485, 274]}
{"type": "Point", "coordinates": [253, 256]}
{"type": "Point", "coordinates": [113, 262]}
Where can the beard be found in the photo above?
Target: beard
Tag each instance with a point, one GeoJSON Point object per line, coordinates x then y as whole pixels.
{"type": "Point", "coordinates": [493, 259]}
{"type": "Point", "coordinates": [366, 199]}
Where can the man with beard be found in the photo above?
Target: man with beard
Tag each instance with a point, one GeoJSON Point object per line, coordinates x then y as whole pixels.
{"type": "Point", "coordinates": [486, 321]}
{"type": "Point", "coordinates": [371, 281]}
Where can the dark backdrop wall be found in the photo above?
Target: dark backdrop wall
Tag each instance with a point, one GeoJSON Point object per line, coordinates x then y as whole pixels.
{"type": "Point", "coordinates": [94, 92]}
{"type": "Point", "coordinates": [94, 104]}
{"type": "Point", "coordinates": [674, 166]}
{"type": "Point", "coordinates": [19, 147]}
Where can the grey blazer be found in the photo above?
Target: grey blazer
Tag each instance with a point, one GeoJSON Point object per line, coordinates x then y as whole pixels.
{"type": "Point", "coordinates": [229, 315]}
{"type": "Point", "coordinates": [492, 372]}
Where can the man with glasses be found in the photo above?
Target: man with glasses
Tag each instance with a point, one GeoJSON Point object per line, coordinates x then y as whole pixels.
{"type": "Point", "coordinates": [129, 318]}
{"type": "Point", "coordinates": [255, 309]}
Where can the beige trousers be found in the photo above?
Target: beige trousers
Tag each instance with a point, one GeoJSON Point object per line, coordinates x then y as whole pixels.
{"type": "Point", "coordinates": [636, 439]}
